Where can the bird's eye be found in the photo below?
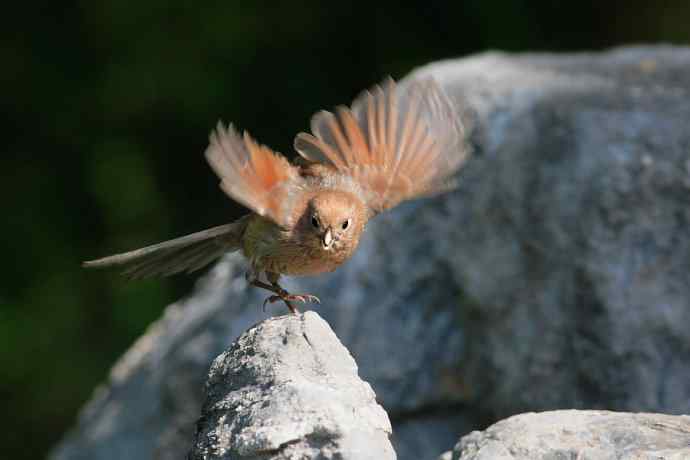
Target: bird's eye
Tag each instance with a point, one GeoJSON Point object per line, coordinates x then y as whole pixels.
{"type": "Point", "coordinates": [314, 221]}
{"type": "Point", "coordinates": [346, 224]}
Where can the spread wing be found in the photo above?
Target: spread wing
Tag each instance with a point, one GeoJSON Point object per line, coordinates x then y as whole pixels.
{"type": "Point", "coordinates": [252, 174]}
{"type": "Point", "coordinates": [396, 143]}
{"type": "Point", "coordinates": [187, 253]}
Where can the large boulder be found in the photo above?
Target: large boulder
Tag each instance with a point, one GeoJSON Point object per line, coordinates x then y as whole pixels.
{"type": "Point", "coordinates": [556, 276]}
{"type": "Point", "coordinates": [581, 435]}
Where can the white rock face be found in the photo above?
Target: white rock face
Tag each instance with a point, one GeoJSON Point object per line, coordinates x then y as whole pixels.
{"type": "Point", "coordinates": [580, 435]}
{"type": "Point", "coordinates": [289, 389]}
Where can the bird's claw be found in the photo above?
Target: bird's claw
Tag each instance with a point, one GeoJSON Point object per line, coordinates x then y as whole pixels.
{"type": "Point", "coordinates": [288, 298]}
{"type": "Point", "coordinates": [304, 298]}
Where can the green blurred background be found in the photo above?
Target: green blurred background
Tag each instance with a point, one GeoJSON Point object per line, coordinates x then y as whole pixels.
{"type": "Point", "coordinates": [105, 109]}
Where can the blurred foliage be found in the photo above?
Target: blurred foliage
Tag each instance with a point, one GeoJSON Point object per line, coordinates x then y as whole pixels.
{"type": "Point", "coordinates": [105, 109]}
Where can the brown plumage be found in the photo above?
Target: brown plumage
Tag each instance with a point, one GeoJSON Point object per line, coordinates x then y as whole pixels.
{"type": "Point", "coordinates": [394, 144]}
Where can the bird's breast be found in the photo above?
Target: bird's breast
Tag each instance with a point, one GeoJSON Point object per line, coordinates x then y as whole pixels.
{"type": "Point", "coordinates": [298, 260]}
{"type": "Point", "coordinates": [293, 259]}
{"type": "Point", "coordinates": [272, 248]}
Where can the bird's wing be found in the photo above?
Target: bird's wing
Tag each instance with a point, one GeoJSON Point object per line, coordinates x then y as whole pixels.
{"type": "Point", "coordinates": [187, 253]}
{"type": "Point", "coordinates": [252, 174]}
{"type": "Point", "coordinates": [396, 143]}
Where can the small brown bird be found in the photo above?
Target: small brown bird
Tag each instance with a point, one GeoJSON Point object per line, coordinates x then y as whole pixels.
{"type": "Point", "coordinates": [395, 143]}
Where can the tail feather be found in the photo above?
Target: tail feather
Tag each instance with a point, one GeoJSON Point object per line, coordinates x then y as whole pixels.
{"type": "Point", "coordinates": [187, 253]}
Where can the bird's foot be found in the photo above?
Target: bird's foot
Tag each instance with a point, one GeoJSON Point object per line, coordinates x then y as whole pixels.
{"type": "Point", "coordinates": [289, 298]}
{"type": "Point", "coordinates": [282, 294]}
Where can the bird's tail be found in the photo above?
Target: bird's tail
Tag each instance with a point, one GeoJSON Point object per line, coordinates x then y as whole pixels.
{"type": "Point", "coordinates": [186, 253]}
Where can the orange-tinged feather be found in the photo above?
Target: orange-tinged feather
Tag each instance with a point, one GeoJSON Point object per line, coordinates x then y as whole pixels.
{"type": "Point", "coordinates": [420, 162]}
{"type": "Point", "coordinates": [382, 123]}
{"type": "Point", "coordinates": [416, 139]}
{"type": "Point", "coordinates": [329, 152]}
{"type": "Point", "coordinates": [392, 123]}
{"type": "Point", "coordinates": [408, 127]}
{"type": "Point", "coordinates": [371, 122]}
{"type": "Point", "coordinates": [358, 144]}
{"type": "Point", "coordinates": [343, 147]}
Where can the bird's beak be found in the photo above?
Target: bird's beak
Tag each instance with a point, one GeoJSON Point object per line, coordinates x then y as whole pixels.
{"type": "Point", "coordinates": [327, 239]}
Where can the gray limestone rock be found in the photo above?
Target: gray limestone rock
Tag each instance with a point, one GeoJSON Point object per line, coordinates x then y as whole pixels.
{"type": "Point", "coordinates": [579, 435]}
{"type": "Point", "coordinates": [556, 276]}
{"type": "Point", "coordinates": [286, 389]}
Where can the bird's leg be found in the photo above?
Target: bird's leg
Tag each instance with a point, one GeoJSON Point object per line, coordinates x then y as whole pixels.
{"type": "Point", "coordinates": [273, 298]}
{"type": "Point", "coordinates": [280, 293]}
{"type": "Point", "coordinates": [285, 295]}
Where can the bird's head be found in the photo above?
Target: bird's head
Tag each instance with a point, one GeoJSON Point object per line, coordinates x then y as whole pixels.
{"type": "Point", "coordinates": [334, 220]}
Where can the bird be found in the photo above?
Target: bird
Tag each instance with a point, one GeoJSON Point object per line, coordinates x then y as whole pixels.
{"type": "Point", "coordinates": [395, 142]}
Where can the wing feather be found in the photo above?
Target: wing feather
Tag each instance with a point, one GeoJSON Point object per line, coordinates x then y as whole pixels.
{"type": "Point", "coordinates": [357, 141]}
{"type": "Point", "coordinates": [252, 174]}
{"type": "Point", "coordinates": [396, 143]}
{"type": "Point", "coordinates": [371, 120]}
{"type": "Point", "coordinates": [187, 253]}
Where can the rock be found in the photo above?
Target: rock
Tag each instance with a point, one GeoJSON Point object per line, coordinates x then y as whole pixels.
{"type": "Point", "coordinates": [581, 435]}
{"type": "Point", "coordinates": [289, 389]}
{"type": "Point", "coordinates": [569, 247]}
{"type": "Point", "coordinates": [556, 276]}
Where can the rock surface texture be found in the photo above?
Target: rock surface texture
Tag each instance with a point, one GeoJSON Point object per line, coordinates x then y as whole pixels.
{"type": "Point", "coordinates": [556, 276]}
{"type": "Point", "coordinates": [579, 435]}
{"type": "Point", "coordinates": [288, 389]}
